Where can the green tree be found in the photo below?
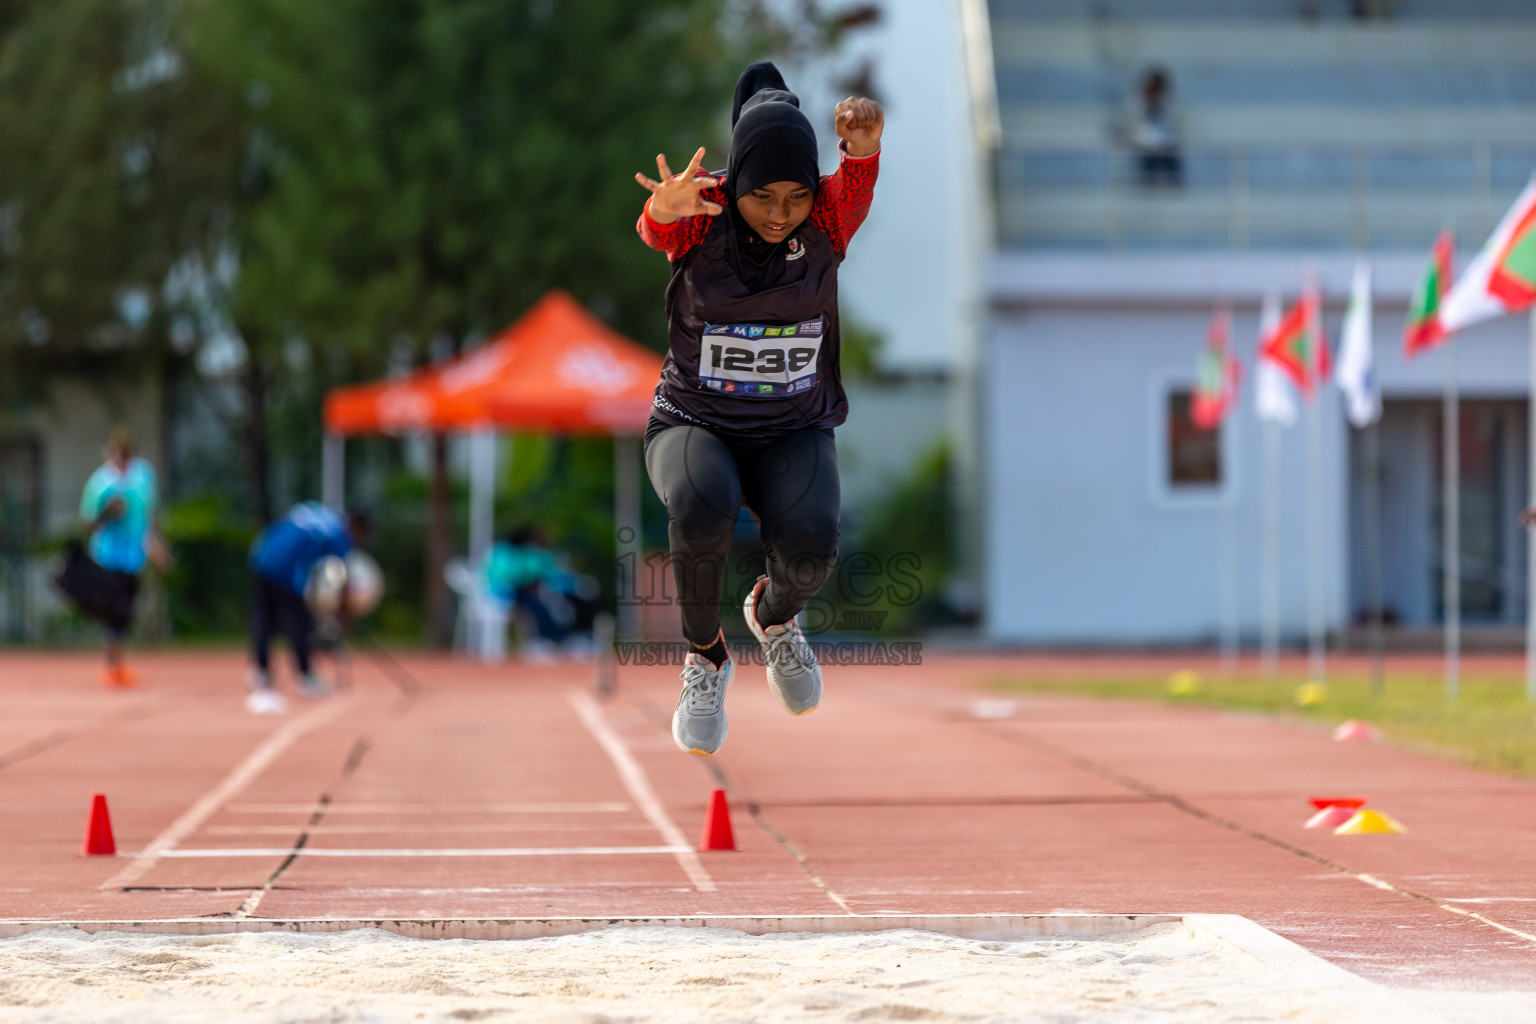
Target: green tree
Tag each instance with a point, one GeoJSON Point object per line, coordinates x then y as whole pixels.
{"type": "Point", "coordinates": [328, 188]}
{"type": "Point", "coordinates": [436, 167]}
{"type": "Point", "coordinates": [125, 178]}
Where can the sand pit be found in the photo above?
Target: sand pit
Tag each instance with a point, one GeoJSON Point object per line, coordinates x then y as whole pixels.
{"type": "Point", "coordinates": [1156, 974]}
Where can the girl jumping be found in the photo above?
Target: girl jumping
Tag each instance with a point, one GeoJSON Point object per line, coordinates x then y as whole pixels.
{"type": "Point", "coordinates": [750, 390]}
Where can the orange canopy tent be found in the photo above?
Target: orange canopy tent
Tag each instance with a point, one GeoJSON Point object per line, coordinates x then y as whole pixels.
{"type": "Point", "coordinates": [557, 369]}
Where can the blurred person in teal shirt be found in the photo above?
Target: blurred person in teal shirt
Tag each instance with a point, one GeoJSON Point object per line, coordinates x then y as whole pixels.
{"type": "Point", "coordinates": [522, 570]}
{"type": "Point", "coordinates": [119, 506]}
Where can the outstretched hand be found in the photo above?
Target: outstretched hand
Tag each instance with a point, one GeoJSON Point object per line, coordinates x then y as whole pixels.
{"type": "Point", "coordinates": [860, 123]}
{"type": "Point", "coordinates": [677, 195]}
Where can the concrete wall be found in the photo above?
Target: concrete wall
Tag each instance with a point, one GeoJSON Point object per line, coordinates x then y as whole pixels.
{"type": "Point", "coordinates": [914, 271]}
{"type": "Point", "coordinates": [891, 424]}
{"type": "Point", "coordinates": [1085, 543]}
{"type": "Point", "coordinates": [71, 420]}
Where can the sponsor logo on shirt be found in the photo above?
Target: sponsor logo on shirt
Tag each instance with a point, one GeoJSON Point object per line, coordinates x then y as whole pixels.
{"type": "Point", "coordinates": [730, 385]}
{"type": "Point", "coordinates": [796, 250]}
{"type": "Point", "coordinates": [739, 331]}
{"type": "Point", "coordinates": [788, 331]}
{"type": "Point", "coordinates": [755, 332]}
{"type": "Point", "coordinates": [719, 329]}
{"type": "Point", "coordinates": [714, 384]}
{"type": "Point", "coordinates": [765, 389]}
{"type": "Point", "coordinates": [660, 402]}
{"type": "Point", "coordinates": [774, 332]}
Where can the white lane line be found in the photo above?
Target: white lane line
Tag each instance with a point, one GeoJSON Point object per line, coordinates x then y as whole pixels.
{"type": "Point", "coordinates": [640, 789]}
{"type": "Point", "coordinates": [473, 851]}
{"type": "Point", "coordinates": [611, 807]}
{"type": "Point", "coordinates": [434, 827]}
{"type": "Point", "coordinates": [243, 774]}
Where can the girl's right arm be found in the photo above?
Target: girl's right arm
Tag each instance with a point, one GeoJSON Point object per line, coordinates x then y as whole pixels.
{"type": "Point", "coordinates": [675, 217]}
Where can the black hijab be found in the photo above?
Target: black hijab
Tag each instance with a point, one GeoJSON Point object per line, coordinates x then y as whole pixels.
{"type": "Point", "coordinates": [771, 140]}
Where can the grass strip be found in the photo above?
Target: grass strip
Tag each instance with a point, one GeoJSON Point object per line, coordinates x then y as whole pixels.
{"type": "Point", "coordinates": [1489, 725]}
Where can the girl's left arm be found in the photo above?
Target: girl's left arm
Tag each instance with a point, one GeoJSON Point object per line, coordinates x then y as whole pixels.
{"type": "Point", "coordinates": [843, 200]}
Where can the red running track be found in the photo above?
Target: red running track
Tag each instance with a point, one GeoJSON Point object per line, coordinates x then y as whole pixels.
{"type": "Point", "coordinates": [893, 798]}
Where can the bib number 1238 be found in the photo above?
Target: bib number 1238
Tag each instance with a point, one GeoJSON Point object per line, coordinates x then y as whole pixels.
{"type": "Point", "coordinates": [760, 360]}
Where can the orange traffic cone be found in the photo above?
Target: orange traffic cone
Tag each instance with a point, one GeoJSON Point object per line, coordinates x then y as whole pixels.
{"type": "Point", "coordinates": [717, 824]}
{"type": "Point", "coordinates": [98, 830]}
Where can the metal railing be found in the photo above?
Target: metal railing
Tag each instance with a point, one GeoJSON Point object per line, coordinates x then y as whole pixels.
{"type": "Point", "coordinates": [1256, 196]}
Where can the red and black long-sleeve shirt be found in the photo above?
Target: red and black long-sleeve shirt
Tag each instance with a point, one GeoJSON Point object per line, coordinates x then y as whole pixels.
{"type": "Point", "coordinates": [758, 361]}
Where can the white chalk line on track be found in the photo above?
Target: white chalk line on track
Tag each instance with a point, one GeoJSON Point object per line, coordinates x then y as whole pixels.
{"type": "Point", "coordinates": [256, 762]}
{"type": "Point", "coordinates": [639, 787]}
{"type": "Point", "coordinates": [435, 827]}
{"type": "Point", "coordinates": [470, 851]}
{"type": "Point", "coordinates": [1179, 803]}
{"type": "Point", "coordinates": [610, 807]}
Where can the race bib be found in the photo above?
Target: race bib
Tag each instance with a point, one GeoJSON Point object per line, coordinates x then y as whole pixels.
{"type": "Point", "coordinates": [760, 361]}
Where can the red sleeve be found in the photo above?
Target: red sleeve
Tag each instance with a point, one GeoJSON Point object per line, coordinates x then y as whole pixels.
{"type": "Point", "coordinates": [683, 234]}
{"type": "Point", "coordinates": [843, 200]}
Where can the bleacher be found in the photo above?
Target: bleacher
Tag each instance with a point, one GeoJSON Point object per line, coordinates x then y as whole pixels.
{"type": "Point", "coordinates": [1325, 131]}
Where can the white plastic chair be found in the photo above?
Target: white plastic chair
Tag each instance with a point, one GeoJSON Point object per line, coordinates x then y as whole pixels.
{"type": "Point", "coordinates": [480, 628]}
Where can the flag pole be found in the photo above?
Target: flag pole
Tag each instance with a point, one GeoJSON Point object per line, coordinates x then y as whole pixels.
{"type": "Point", "coordinates": [1227, 587]}
{"type": "Point", "coordinates": [1452, 528]}
{"type": "Point", "coordinates": [1530, 541]}
{"type": "Point", "coordinates": [1317, 664]}
{"type": "Point", "coordinates": [1270, 627]}
{"type": "Point", "coordinates": [1373, 554]}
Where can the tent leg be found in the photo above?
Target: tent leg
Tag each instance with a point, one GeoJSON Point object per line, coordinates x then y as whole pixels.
{"type": "Point", "coordinates": [626, 524]}
{"type": "Point", "coordinates": [333, 471]}
{"type": "Point", "coordinates": [482, 493]}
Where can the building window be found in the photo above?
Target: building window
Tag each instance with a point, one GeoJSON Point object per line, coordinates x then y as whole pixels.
{"type": "Point", "coordinates": [1193, 455]}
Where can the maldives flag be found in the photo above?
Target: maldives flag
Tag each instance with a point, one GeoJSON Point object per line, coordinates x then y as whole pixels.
{"type": "Point", "coordinates": [1219, 374]}
{"type": "Point", "coordinates": [1297, 344]}
{"type": "Point", "coordinates": [1502, 276]}
{"type": "Point", "coordinates": [1425, 329]}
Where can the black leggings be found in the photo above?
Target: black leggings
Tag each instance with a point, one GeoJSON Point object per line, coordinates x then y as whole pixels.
{"type": "Point", "coordinates": [789, 482]}
{"type": "Point", "coordinates": [273, 607]}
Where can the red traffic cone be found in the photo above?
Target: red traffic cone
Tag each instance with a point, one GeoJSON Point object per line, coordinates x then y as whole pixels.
{"type": "Point", "coordinates": [717, 824]}
{"type": "Point", "coordinates": [1354, 729]}
{"type": "Point", "coordinates": [1333, 811]}
{"type": "Point", "coordinates": [98, 830]}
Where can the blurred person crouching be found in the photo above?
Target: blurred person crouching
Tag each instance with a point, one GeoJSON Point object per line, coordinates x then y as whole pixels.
{"type": "Point", "coordinates": [309, 577]}
{"type": "Point", "coordinates": [523, 570]}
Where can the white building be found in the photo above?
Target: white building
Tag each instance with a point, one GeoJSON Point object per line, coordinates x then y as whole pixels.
{"type": "Point", "coordinates": [1300, 141]}
{"type": "Point", "coordinates": [916, 272]}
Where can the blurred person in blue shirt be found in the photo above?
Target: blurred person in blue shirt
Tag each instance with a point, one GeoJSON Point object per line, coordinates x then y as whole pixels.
{"type": "Point", "coordinates": [282, 560]}
{"type": "Point", "coordinates": [119, 505]}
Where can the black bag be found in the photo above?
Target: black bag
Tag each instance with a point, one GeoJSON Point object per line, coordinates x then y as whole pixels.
{"type": "Point", "coordinates": [98, 592]}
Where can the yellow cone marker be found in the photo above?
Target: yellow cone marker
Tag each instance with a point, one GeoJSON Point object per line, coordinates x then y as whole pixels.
{"type": "Point", "coordinates": [1310, 694]}
{"type": "Point", "coordinates": [1184, 683]}
{"type": "Point", "coordinates": [1367, 822]}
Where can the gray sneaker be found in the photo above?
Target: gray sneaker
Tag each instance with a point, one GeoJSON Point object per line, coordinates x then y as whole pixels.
{"type": "Point", "coordinates": [314, 687]}
{"type": "Point", "coordinates": [793, 675]}
{"type": "Point", "coordinates": [698, 724]}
